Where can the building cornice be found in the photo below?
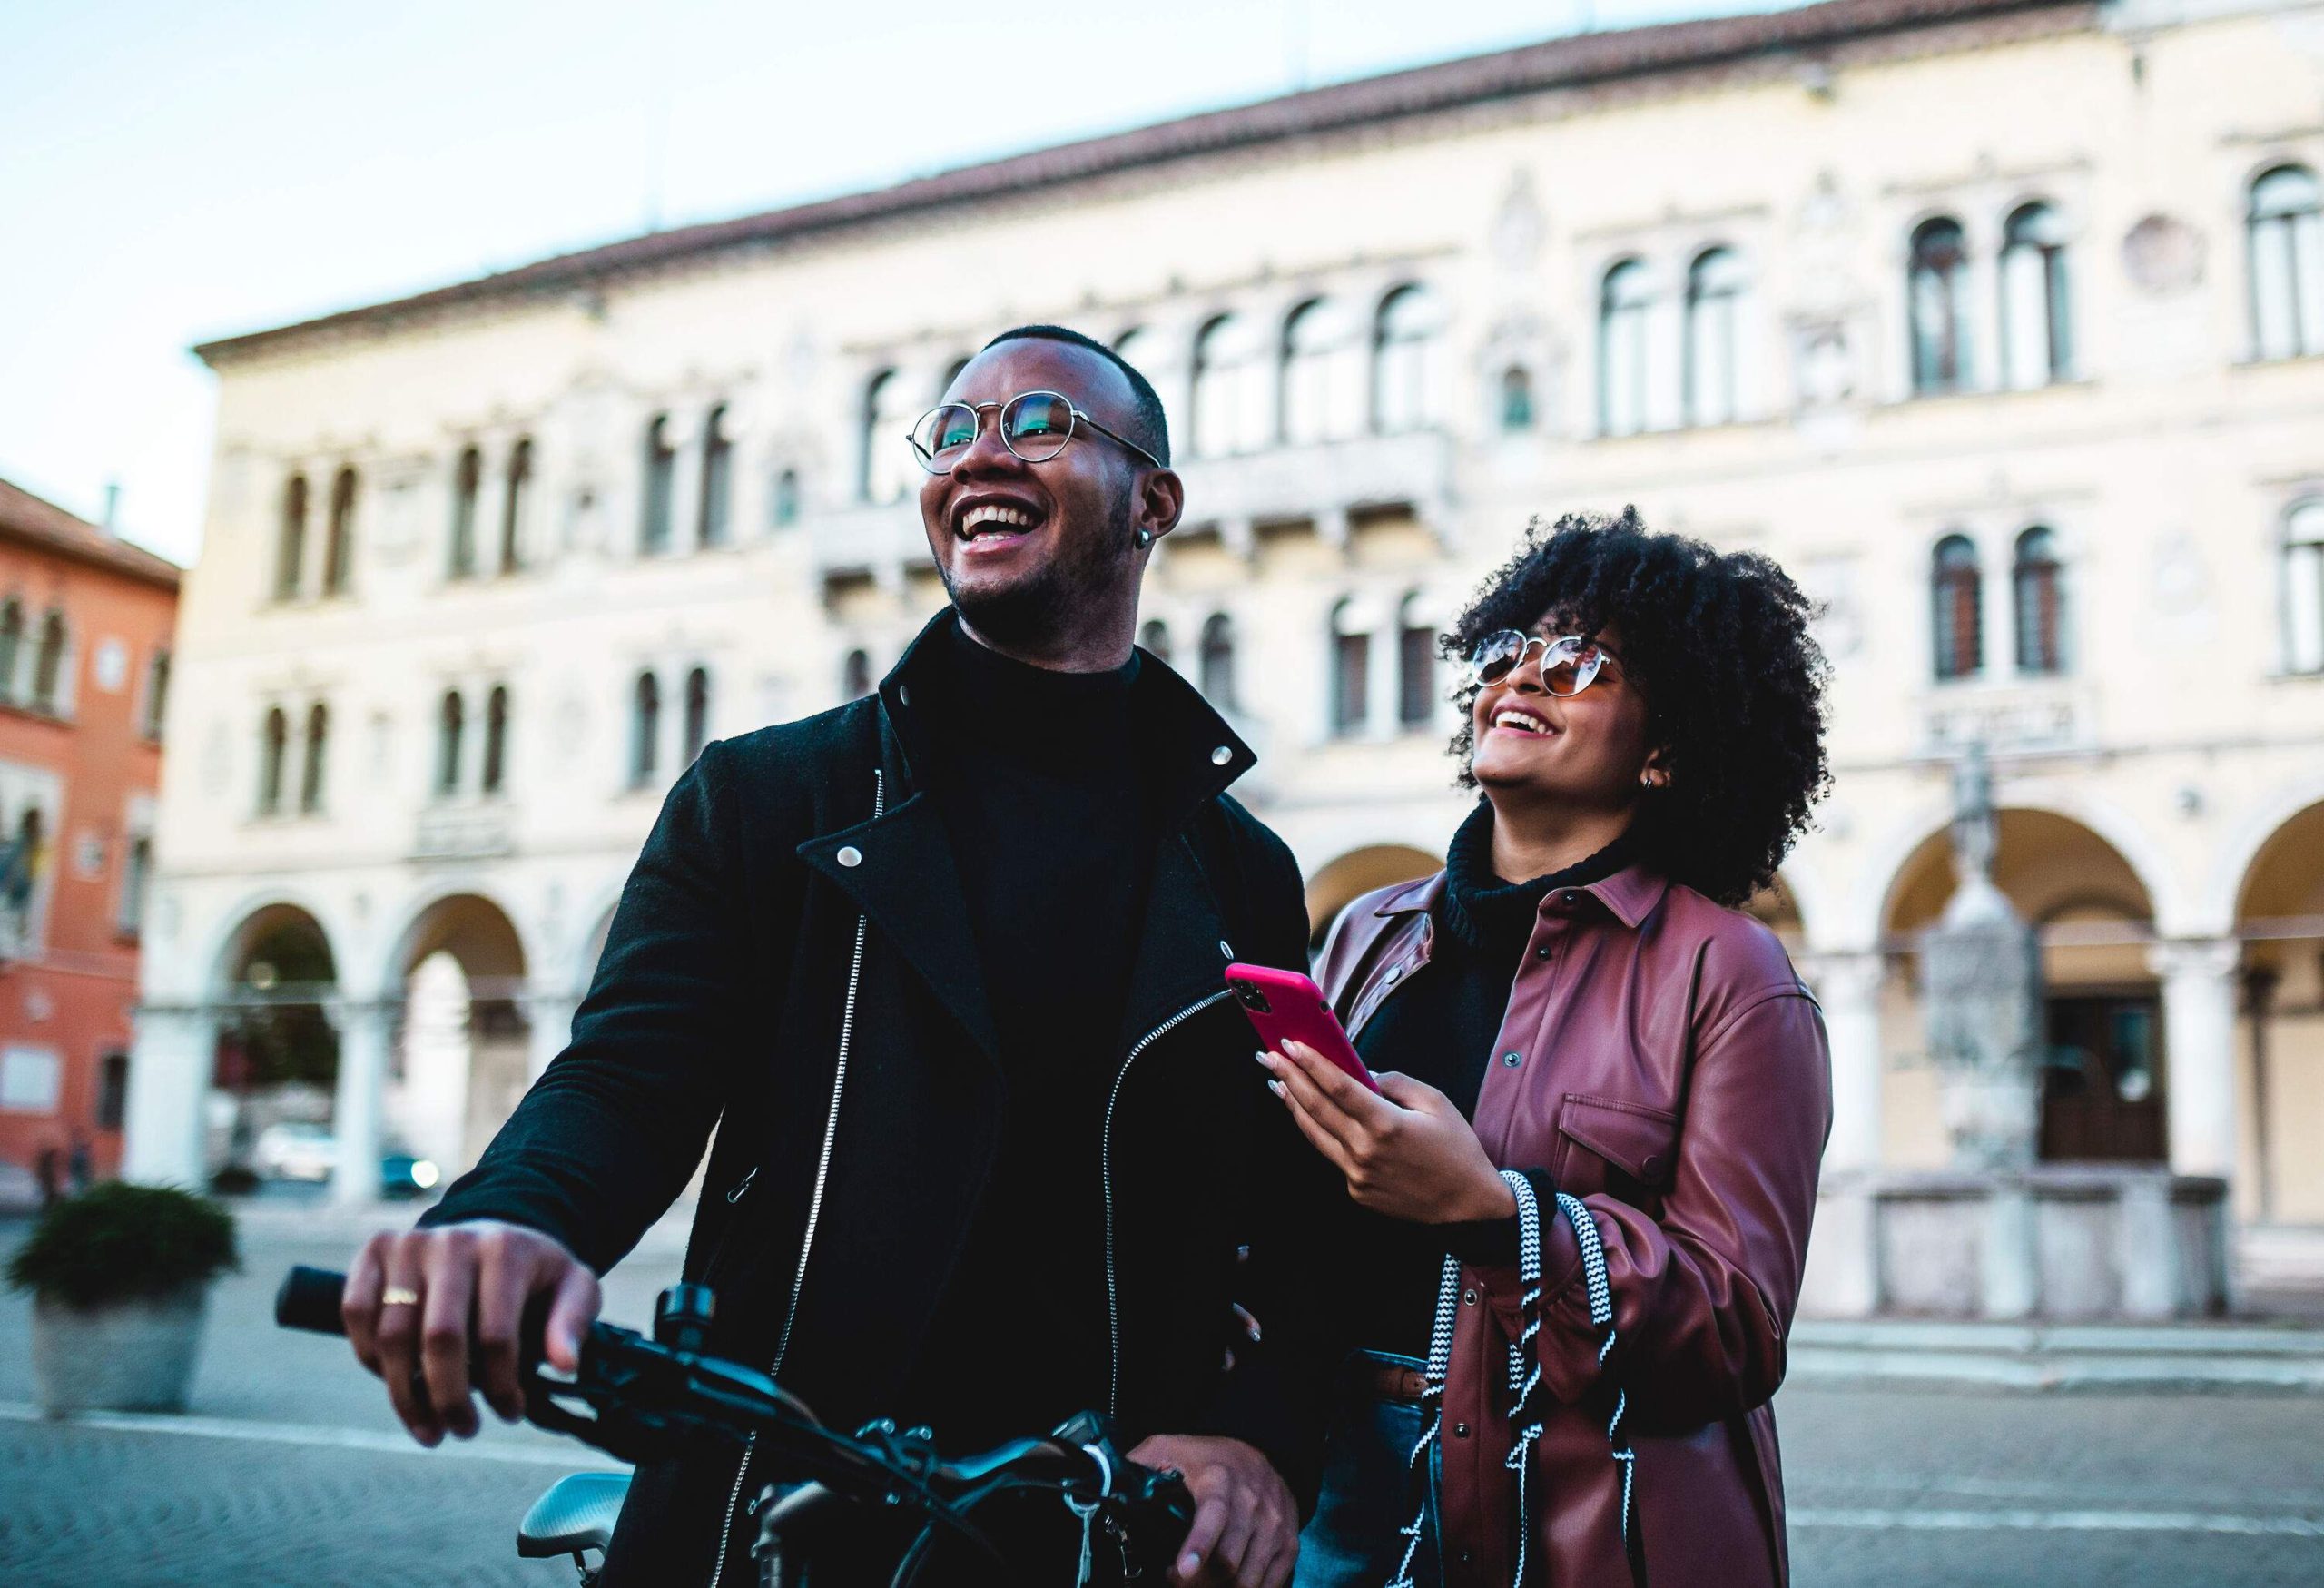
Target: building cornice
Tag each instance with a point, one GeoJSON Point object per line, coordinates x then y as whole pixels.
{"type": "Point", "coordinates": [1562, 63]}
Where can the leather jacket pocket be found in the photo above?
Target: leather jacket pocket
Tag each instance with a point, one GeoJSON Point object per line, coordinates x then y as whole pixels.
{"type": "Point", "coordinates": [1624, 1149]}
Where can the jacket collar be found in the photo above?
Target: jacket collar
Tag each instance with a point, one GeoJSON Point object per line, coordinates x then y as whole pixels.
{"type": "Point", "coordinates": [1191, 756]}
{"type": "Point", "coordinates": [1629, 895]}
{"type": "Point", "coordinates": [901, 872]}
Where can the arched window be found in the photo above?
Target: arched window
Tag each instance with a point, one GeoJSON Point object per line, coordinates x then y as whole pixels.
{"type": "Point", "coordinates": [717, 470]}
{"type": "Point", "coordinates": [273, 742]}
{"type": "Point", "coordinates": [784, 510]}
{"type": "Point", "coordinates": [48, 663]}
{"type": "Point", "coordinates": [644, 730]}
{"type": "Point", "coordinates": [2304, 588]}
{"type": "Point", "coordinates": [697, 721]}
{"type": "Point", "coordinates": [2286, 245]}
{"type": "Point", "coordinates": [660, 479]}
{"type": "Point", "coordinates": [1404, 360]}
{"type": "Point", "coordinates": [451, 725]}
{"type": "Point", "coordinates": [512, 504]}
{"type": "Point", "coordinates": [855, 674]}
{"type": "Point", "coordinates": [468, 481]}
{"type": "Point", "coordinates": [1156, 637]}
{"type": "Point", "coordinates": [1956, 592]}
{"type": "Point", "coordinates": [1716, 283]}
{"type": "Point", "coordinates": [339, 541]}
{"type": "Point", "coordinates": [1230, 388]}
{"type": "Point", "coordinates": [24, 867]}
{"type": "Point", "coordinates": [1415, 663]}
{"type": "Point", "coordinates": [2038, 591]}
{"type": "Point", "coordinates": [1624, 302]}
{"type": "Point", "coordinates": [12, 645]}
{"type": "Point", "coordinates": [311, 781]}
{"type": "Point", "coordinates": [1351, 668]}
{"type": "Point", "coordinates": [1516, 399]}
{"type": "Point", "coordinates": [888, 472]}
{"type": "Point", "coordinates": [290, 540]}
{"type": "Point", "coordinates": [2034, 320]}
{"type": "Point", "coordinates": [157, 689]}
{"type": "Point", "coordinates": [1321, 395]}
{"type": "Point", "coordinates": [1937, 298]}
{"type": "Point", "coordinates": [1218, 662]}
{"type": "Point", "coordinates": [496, 739]}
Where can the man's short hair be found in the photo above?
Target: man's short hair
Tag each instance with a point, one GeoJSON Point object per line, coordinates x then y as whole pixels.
{"type": "Point", "coordinates": [1150, 427]}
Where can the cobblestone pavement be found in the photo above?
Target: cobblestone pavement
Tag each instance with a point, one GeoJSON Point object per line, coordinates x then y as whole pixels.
{"type": "Point", "coordinates": [289, 1470]}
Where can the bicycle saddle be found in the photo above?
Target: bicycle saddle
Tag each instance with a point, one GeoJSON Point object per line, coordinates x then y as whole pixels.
{"type": "Point", "coordinates": [576, 1514]}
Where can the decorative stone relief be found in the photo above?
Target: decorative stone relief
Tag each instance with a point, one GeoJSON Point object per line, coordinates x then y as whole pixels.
{"type": "Point", "coordinates": [2163, 257]}
{"type": "Point", "coordinates": [1518, 225]}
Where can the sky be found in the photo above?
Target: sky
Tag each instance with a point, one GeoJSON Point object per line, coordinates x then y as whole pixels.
{"type": "Point", "coordinates": [171, 172]}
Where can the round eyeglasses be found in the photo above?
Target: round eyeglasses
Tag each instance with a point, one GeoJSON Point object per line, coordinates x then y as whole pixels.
{"type": "Point", "coordinates": [1034, 424]}
{"type": "Point", "coordinates": [1570, 664]}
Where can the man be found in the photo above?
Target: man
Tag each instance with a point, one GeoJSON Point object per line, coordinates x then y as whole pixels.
{"type": "Point", "coordinates": [943, 967]}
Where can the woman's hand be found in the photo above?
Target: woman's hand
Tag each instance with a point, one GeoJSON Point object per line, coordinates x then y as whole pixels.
{"type": "Point", "coordinates": [1406, 1151]}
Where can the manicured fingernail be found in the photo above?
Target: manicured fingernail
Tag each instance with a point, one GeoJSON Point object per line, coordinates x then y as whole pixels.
{"type": "Point", "coordinates": [1275, 1087]}
{"type": "Point", "coordinates": [1187, 1563]}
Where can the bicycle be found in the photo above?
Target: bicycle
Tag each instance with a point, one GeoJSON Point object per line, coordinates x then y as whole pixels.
{"type": "Point", "coordinates": [639, 1397]}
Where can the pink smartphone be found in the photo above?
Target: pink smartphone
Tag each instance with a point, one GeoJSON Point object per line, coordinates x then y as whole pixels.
{"type": "Point", "coordinates": [1284, 1005]}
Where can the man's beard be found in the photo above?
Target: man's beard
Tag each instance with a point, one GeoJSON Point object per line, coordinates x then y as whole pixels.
{"type": "Point", "coordinates": [1033, 613]}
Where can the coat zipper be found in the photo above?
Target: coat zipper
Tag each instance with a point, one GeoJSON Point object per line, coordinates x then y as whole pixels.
{"type": "Point", "coordinates": [814, 1199]}
{"type": "Point", "coordinates": [1105, 1175]}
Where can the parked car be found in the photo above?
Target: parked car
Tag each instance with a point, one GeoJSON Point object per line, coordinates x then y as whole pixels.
{"type": "Point", "coordinates": [295, 1150]}
{"type": "Point", "coordinates": [298, 1151]}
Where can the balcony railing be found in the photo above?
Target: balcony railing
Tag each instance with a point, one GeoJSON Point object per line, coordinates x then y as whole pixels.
{"type": "Point", "coordinates": [1323, 481]}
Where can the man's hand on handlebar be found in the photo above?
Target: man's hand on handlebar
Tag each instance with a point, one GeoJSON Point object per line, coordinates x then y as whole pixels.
{"type": "Point", "coordinates": [1246, 1532]}
{"type": "Point", "coordinates": [414, 1298]}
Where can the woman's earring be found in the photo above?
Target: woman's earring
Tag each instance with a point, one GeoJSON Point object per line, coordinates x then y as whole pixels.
{"type": "Point", "coordinates": [1646, 780]}
{"type": "Point", "coordinates": [1145, 538]}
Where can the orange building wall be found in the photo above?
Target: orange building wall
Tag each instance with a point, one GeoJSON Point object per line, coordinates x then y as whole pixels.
{"type": "Point", "coordinates": [75, 991]}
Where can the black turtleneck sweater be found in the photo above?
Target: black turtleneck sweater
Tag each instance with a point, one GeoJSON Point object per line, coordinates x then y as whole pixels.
{"type": "Point", "coordinates": [1438, 1027]}
{"type": "Point", "coordinates": [1036, 774]}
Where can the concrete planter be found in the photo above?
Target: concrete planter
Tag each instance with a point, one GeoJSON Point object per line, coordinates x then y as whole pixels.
{"type": "Point", "coordinates": [133, 1356]}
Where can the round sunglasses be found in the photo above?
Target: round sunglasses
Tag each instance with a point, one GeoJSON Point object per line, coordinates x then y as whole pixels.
{"type": "Point", "coordinates": [1569, 663]}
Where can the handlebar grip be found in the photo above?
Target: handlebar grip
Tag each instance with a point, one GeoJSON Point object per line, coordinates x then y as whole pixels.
{"type": "Point", "coordinates": [309, 1300]}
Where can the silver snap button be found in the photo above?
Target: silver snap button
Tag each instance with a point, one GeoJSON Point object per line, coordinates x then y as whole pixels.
{"type": "Point", "coordinates": [1221, 757]}
{"type": "Point", "coordinates": [1225, 948]}
{"type": "Point", "coordinates": [1393, 971]}
{"type": "Point", "coordinates": [1467, 1299]}
{"type": "Point", "coordinates": [1571, 897]}
{"type": "Point", "coordinates": [849, 856]}
{"type": "Point", "coordinates": [1512, 1059]}
{"type": "Point", "coordinates": [903, 695]}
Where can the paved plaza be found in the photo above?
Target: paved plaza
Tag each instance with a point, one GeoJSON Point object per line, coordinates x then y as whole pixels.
{"type": "Point", "coordinates": [290, 1470]}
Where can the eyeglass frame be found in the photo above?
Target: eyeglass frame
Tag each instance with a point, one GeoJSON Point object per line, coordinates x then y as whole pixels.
{"type": "Point", "coordinates": [927, 459]}
{"type": "Point", "coordinates": [1525, 654]}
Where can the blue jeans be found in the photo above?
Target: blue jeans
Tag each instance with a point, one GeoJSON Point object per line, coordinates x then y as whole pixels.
{"type": "Point", "coordinates": [1370, 1493]}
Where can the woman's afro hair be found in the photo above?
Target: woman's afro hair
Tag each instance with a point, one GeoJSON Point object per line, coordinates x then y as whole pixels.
{"type": "Point", "coordinates": [1719, 643]}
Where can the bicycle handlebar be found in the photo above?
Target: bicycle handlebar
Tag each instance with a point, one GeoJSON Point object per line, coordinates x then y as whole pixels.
{"type": "Point", "coordinates": [642, 1397]}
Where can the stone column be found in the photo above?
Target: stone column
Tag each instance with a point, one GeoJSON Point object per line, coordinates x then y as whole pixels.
{"type": "Point", "coordinates": [551, 1014]}
{"type": "Point", "coordinates": [2199, 1051]}
{"type": "Point", "coordinates": [1848, 986]}
{"type": "Point", "coordinates": [1842, 1273]}
{"type": "Point", "coordinates": [364, 1034]}
{"type": "Point", "coordinates": [169, 1068]}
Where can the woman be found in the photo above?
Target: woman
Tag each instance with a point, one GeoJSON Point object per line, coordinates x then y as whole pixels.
{"type": "Point", "coordinates": [1576, 999]}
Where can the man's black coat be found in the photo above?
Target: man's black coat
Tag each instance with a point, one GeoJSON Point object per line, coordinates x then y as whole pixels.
{"type": "Point", "coordinates": [854, 1133]}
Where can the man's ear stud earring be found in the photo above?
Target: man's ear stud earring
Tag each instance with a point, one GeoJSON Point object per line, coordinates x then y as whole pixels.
{"type": "Point", "coordinates": [1145, 538]}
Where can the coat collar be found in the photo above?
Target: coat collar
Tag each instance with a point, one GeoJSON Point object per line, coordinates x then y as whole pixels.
{"type": "Point", "coordinates": [1629, 895]}
{"type": "Point", "coordinates": [899, 867]}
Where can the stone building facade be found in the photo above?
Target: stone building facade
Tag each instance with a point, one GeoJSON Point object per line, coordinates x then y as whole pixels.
{"type": "Point", "coordinates": [2000, 324]}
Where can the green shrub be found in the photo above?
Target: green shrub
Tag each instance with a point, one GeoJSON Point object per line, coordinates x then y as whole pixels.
{"type": "Point", "coordinates": [115, 1242]}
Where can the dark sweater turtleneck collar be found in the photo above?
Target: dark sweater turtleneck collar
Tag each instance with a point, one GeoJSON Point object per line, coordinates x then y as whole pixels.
{"type": "Point", "coordinates": [1482, 908]}
{"type": "Point", "coordinates": [1014, 707]}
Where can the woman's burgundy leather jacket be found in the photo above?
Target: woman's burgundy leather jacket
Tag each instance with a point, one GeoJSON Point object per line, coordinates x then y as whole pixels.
{"type": "Point", "coordinates": [1660, 1059]}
